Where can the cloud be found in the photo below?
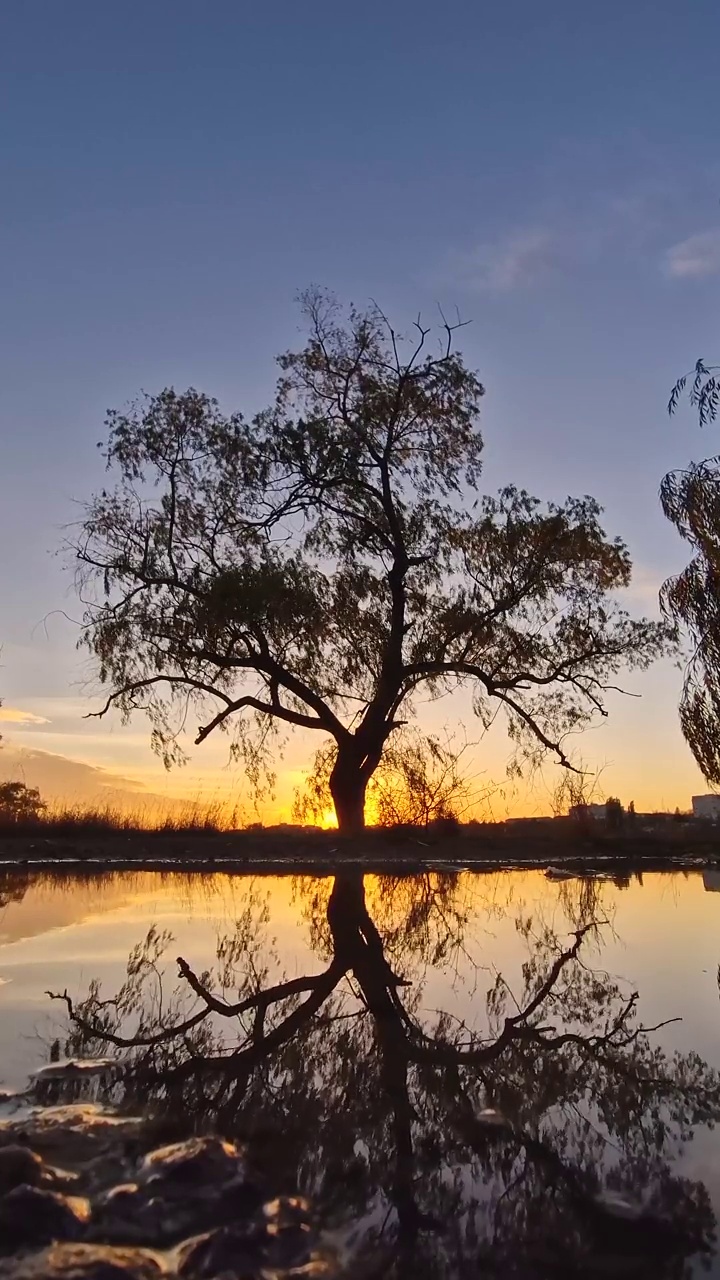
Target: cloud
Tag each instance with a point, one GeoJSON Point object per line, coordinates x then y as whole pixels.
{"type": "Point", "coordinates": [572, 229]}
{"type": "Point", "coordinates": [696, 257]}
{"type": "Point", "coordinates": [62, 780]}
{"type": "Point", "coordinates": [511, 262]}
{"type": "Point", "coordinates": [13, 715]}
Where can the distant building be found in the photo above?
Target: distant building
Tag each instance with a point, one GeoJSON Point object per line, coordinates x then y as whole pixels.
{"type": "Point", "coordinates": [597, 812]}
{"type": "Point", "coordinates": [707, 807]}
{"type": "Point", "coordinates": [543, 820]}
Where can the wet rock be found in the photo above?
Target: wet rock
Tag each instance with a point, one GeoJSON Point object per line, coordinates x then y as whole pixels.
{"type": "Point", "coordinates": [181, 1191]}
{"type": "Point", "coordinates": [76, 1069]}
{"type": "Point", "coordinates": [290, 1236]}
{"type": "Point", "coordinates": [18, 1166]}
{"type": "Point", "coordinates": [74, 1079]}
{"type": "Point", "coordinates": [188, 1209]}
{"type": "Point", "coordinates": [244, 1252]}
{"type": "Point", "coordinates": [91, 1262]}
{"type": "Point", "coordinates": [31, 1216]}
{"type": "Point", "coordinates": [160, 1221]}
{"type": "Point", "coordinates": [72, 1133]}
{"type": "Point", "coordinates": [238, 1250]}
{"type": "Point", "coordinates": [195, 1162]}
{"type": "Point", "coordinates": [127, 1215]}
{"type": "Point", "coordinates": [238, 1199]}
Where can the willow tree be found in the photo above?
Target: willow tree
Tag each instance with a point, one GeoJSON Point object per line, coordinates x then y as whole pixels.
{"type": "Point", "coordinates": [324, 562]}
{"type": "Point", "coordinates": [691, 500]}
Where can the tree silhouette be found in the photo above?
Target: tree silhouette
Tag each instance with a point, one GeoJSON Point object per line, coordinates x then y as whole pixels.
{"type": "Point", "coordinates": [691, 500]}
{"type": "Point", "coordinates": [320, 565]}
{"type": "Point", "coordinates": [522, 1145]}
{"type": "Point", "coordinates": [20, 803]}
{"type": "Point", "coordinates": [14, 886]}
{"type": "Point", "coordinates": [614, 812]}
{"type": "Point", "coordinates": [420, 780]}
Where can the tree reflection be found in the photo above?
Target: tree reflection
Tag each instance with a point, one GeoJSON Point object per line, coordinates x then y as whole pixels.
{"type": "Point", "coordinates": [13, 887]}
{"type": "Point", "coordinates": [537, 1139]}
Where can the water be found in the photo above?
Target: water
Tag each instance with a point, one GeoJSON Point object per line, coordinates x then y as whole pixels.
{"type": "Point", "coordinates": [457, 1072]}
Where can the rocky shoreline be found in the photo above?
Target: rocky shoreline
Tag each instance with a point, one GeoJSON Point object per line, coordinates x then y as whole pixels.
{"type": "Point", "coordinates": [90, 1194]}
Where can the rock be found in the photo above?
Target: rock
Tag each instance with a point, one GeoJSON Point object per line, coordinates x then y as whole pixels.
{"type": "Point", "coordinates": [73, 1133]}
{"type": "Point", "coordinates": [76, 1069]}
{"type": "Point", "coordinates": [241, 1252]}
{"type": "Point", "coordinates": [235, 1250]}
{"type": "Point", "coordinates": [117, 1196]}
{"type": "Point", "coordinates": [91, 1262]}
{"type": "Point", "coordinates": [290, 1237]}
{"type": "Point", "coordinates": [181, 1191]}
{"type": "Point", "coordinates": [187, 1210]}
{"type": "Point", "coordinates": [196, 1162]}
{"type": "Point", "coordinates": [238, 1199]}
{"type": "Point", "coordinates": [18, 1166]}
{"type": "Point", "coordinates": [31, 1216]}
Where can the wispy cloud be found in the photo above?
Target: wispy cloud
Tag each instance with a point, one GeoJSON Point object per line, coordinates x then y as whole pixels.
{"type": "Point", "coordinates": [14, 715]}
{"type": "Point", "coordinates": [61, 778]}
{"type": "Point", "coordinates": [511, 262]}
{"type": "Point", "coordinates": [696, 257]}
{"type": "Point", "coordinates": [576, 228]}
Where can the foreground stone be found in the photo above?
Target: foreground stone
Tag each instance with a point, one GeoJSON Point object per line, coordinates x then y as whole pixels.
{"type": "Point", "coordinates": [90, 1262]}
{"type": "Point", "coordinates": [190, 1210]}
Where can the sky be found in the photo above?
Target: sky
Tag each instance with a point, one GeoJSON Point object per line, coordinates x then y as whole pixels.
{"type": "Point", "coordinates": [173, 174]}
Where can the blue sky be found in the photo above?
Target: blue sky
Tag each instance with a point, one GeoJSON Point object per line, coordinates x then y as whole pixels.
{"type": "Point", "coordinates": [172, 174]}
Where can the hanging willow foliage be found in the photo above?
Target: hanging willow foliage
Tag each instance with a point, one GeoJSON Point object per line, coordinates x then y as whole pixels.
{"type": "Point", "coordinates": [691, 500]}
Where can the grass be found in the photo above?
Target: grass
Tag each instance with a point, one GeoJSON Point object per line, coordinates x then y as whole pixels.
{"type": "Point", "coordinates": [211, 835]}
{"type": "Point", "coordinates": [87, 820]}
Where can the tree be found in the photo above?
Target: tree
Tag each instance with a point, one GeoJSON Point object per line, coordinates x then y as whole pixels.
{"type": "Point", "coordinates": [691, 500]}
{"type": "Point", "coordinates": [614, 812]}
{"type": "Point", "coordinates": [419, 781]}
{"type": "Point", "coordinates": [19, 803]}
{"type": "Point", "coordinates": [321, 564]}
{"type": "Point", "coordinates": [575, 791]}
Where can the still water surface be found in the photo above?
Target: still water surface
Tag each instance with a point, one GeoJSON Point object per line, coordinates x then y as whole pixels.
{"type": "Point", "coordinates": [458, 1063]}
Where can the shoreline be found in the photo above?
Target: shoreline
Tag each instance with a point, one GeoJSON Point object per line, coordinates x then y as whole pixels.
{"type": "Point", "coordinates": [279, 852]}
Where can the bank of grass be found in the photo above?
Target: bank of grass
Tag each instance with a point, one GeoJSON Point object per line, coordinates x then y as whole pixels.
{"type": "Point", "coordinates": [209, 836]}
{"type": "Point", "coordinates": [68, 820]}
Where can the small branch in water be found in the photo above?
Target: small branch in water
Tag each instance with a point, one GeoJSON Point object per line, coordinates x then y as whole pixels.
{"type": "Point", "coordinates": [126, 1042]}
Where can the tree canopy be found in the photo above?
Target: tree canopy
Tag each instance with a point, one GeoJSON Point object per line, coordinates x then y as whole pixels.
{"type": "Point", "coordinates": [691, 500]}
{"type": "Point", "coordinates": [320, 563]}
{"type": "Point", "coordinates": [20, 803]}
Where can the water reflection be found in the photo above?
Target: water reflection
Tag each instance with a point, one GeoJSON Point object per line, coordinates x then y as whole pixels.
{"type": "Point", "coordinates": [538, 1137]}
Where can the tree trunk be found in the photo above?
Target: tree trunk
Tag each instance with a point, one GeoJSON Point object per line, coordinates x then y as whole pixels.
{"type": "Point", "coordinates": [347, 788]}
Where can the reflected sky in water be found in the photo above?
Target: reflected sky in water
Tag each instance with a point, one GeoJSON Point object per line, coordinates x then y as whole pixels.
{"type": "Point", "coordinates": [424, 975]}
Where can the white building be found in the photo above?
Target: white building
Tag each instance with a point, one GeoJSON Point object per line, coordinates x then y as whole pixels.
{"type": "Point", "coordinates": [707, 807]}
